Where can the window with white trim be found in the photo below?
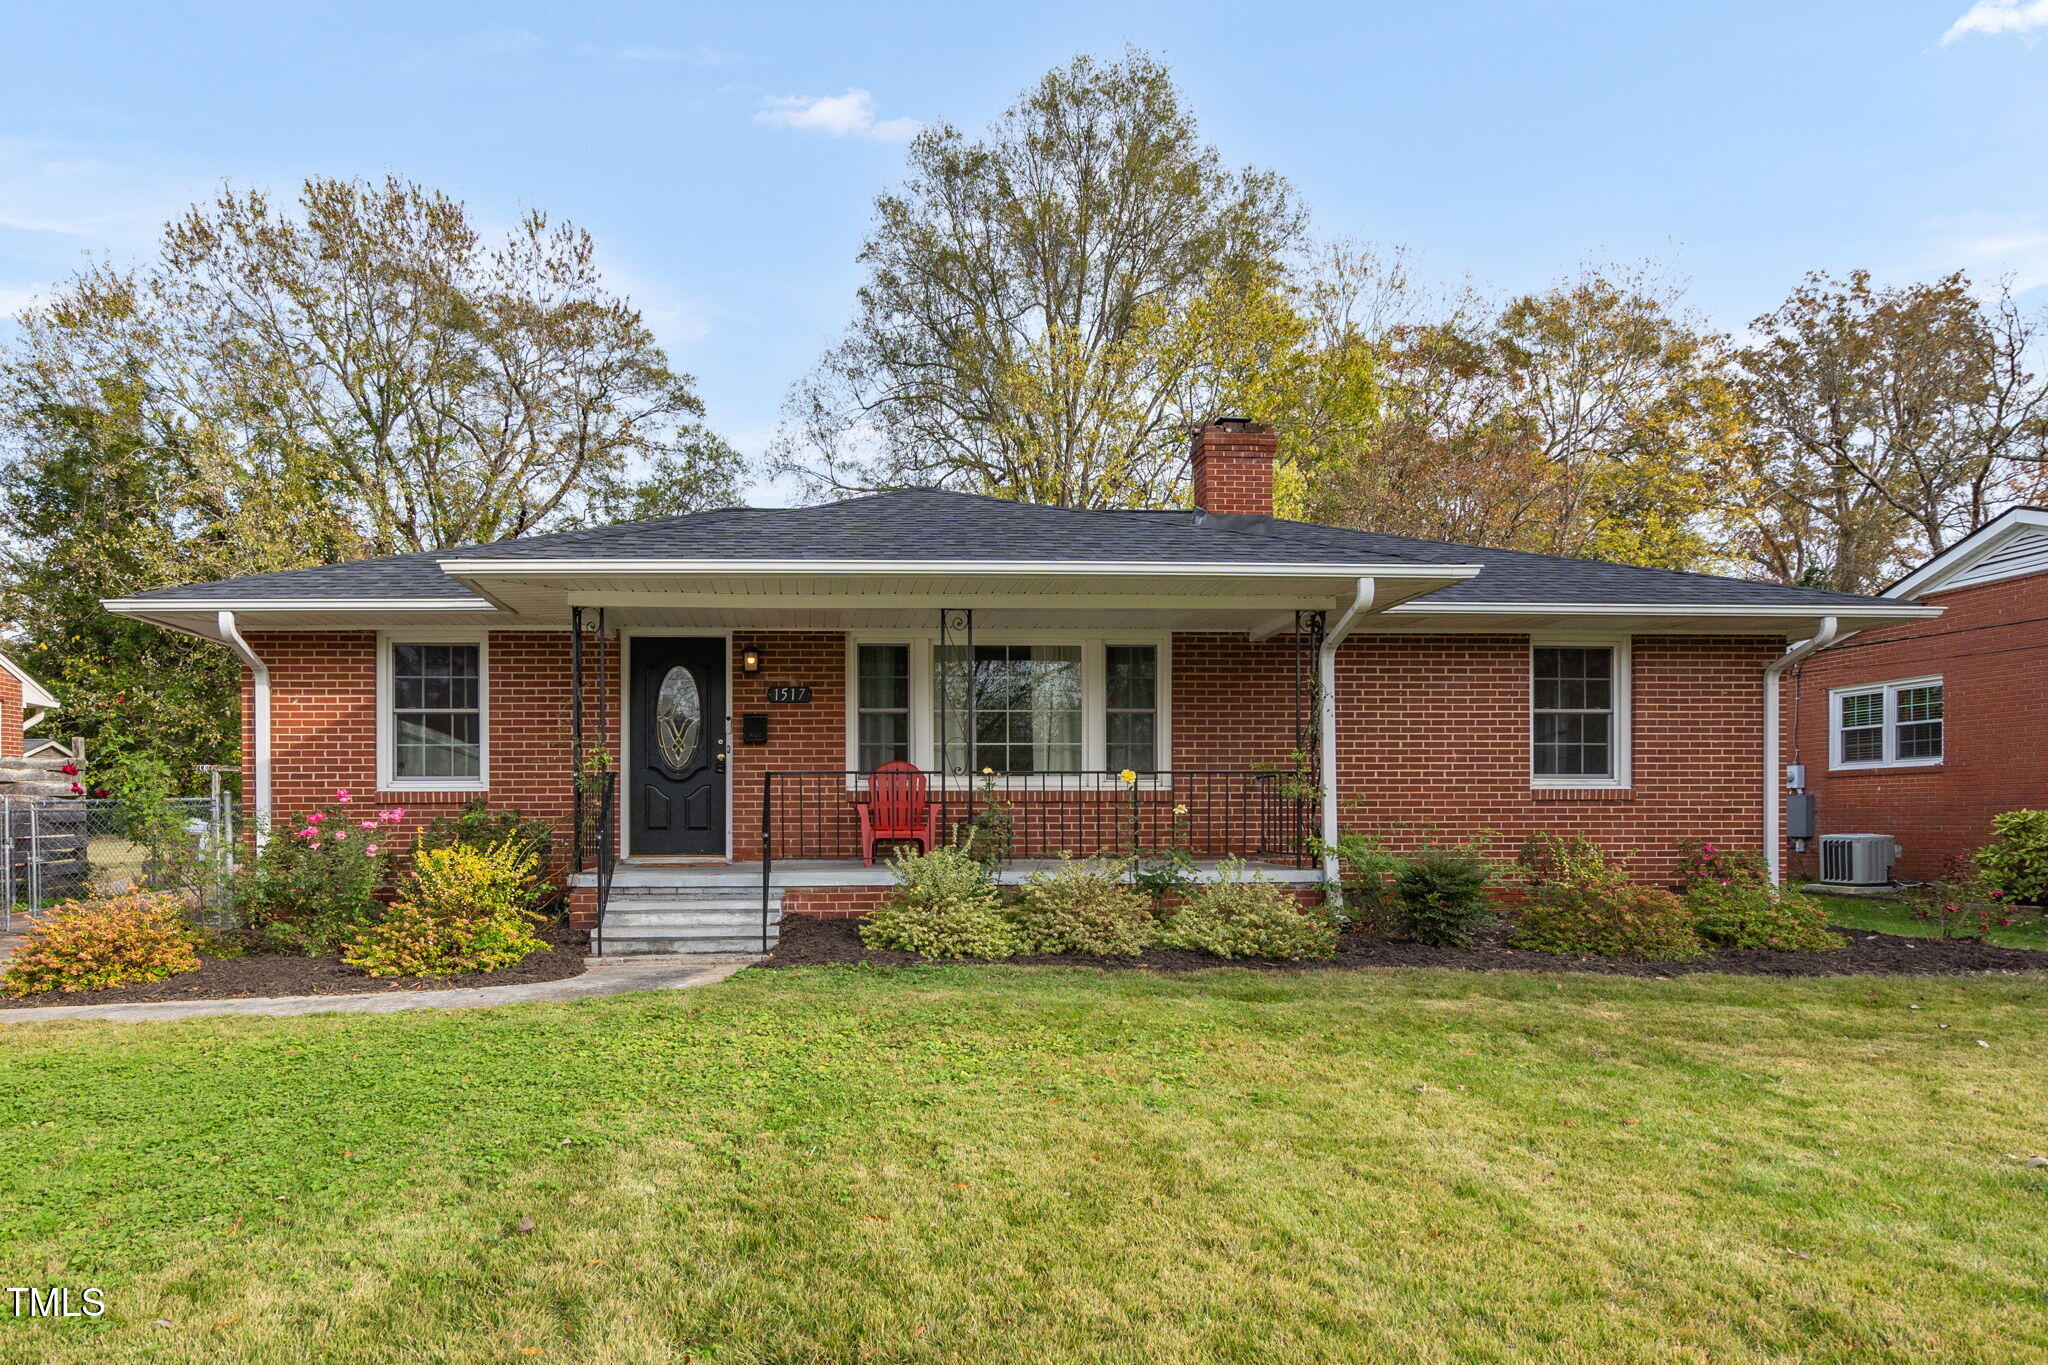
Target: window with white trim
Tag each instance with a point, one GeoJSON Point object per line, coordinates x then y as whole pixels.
{"type": "Point", "coordinates": [882, 701]}
{"type": "Point", "coordinates": [431, 724]}
{"type": "Point", "coordinates": [1056, 701]}
{"type": "Point", "coordinates": [1578, 715]}
{"type": "Point", "coordinates": [1887, 725]}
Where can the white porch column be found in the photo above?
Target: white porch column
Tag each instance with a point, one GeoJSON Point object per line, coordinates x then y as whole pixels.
{"type": "Point", "coordinates": [1326, 728]}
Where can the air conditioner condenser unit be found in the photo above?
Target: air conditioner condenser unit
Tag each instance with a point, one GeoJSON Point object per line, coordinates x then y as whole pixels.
{"type": "Point", "coordinates": [1857, 859]}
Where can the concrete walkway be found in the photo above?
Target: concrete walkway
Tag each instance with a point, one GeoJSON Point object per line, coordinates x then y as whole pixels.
{"type": "Point", "coordinates": [603, 978]}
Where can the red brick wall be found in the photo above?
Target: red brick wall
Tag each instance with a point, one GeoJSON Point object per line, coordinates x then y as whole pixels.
{"type": "Point", "coordinates": [1433, 742]}
{"type": "Point", "coordinates": [1433, 731]}
{"type": "Point", "coordinates": [11, 738]}
{"type": "Point", "coordinates": [324, 725]}
{"type": "Point", "coordinates": [1990, 649]}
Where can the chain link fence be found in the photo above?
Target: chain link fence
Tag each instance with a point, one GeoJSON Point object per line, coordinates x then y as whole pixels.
{"type": "Point", "coordinates": [58, 850]}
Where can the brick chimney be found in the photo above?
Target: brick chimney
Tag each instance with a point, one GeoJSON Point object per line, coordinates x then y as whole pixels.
{"type": "Point", "coordinates": [1231, 460]}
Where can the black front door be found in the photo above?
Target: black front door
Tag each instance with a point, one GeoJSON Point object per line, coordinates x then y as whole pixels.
{"type": "Point", "coordinates": [677, 772]}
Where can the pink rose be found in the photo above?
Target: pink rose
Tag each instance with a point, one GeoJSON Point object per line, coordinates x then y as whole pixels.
{"type": "Point", "coordinates": [77, 790]}
{"type": "Point", "coordinates": [308, 832]}
{"type": "Point", "coordinates": [366, 824]}
{"type": "Point", "coordinates": [316, 817]}
{"type": "Point", "coordinates": [370, 852]}
{"type": "Point", "coordinates": [69, 769]}
{"type": "Point", "coordinates": [340, 835]}
{"type": "Point", "coordinates": [342, 795]}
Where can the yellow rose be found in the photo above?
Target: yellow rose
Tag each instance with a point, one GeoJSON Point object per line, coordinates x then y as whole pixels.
{"type": "Point", "coordinates": [1129, 777]}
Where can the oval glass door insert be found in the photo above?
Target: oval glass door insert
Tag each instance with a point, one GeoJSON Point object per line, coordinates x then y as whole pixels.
{"type": "Point", "coordinates": [678, 717]}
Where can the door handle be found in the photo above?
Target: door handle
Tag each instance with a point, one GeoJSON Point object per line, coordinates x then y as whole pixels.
{"type": "Point", "coordinates": [718, 763]}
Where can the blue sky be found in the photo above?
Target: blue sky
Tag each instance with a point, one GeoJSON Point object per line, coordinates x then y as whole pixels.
{"type": "Point", "coordinates": [1744, 143]}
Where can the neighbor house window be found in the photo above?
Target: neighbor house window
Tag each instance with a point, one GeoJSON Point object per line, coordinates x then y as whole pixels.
{"type": "Point", "coordinates": [882, 696]}
{"type": "Point", "coordinates": [1577, 715]}
{"type": "Point", "coordinates": [1886, 725]}
{"type": "Point", "coordinates": [432, 728]}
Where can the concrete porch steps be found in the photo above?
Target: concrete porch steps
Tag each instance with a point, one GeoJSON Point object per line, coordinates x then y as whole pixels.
{"type": "Point", "coordinates": [648, 920]}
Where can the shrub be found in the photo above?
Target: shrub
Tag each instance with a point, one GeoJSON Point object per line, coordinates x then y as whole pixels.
{"type": "Point", "coordinates": [1441, 897]}
{"type": "Point", "coordinates": [1737, 914]}
{"type": "Point", "coordinates": [1084, 908]}
{"type": "Point", "coordinates": [1367, 873]}
{"type": "Point", "coordinates": [1240, 916]}
{"type": "Point", "coordinates": [479, 827]}
{"type": "Point", "coordinates": [1961, 904]}
{"type": "Point", "coordinates": [94, 945]}
{"type": "Point", "coordinates": [312, 887]}
{"type": "Point", "coordinates": [460, 909]}
{"type": "Point", "coordinates": [1704, 861]}
{"type": "Point", "coordinates": [1580, 902]}
{"type": "Point", "coordinates": [944, 905]}
{"type": "Point", "coordinates": [2016, 866]}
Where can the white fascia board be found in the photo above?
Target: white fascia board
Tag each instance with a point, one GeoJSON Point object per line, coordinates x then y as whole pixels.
{"type": "Point", "coordinates": [729, 568]}
{"type": "Point", "coordinates": [1422, 606]}
{"type": "Point", "coordinates": [1967, 551]}
{"type": "Point", "coordinates": [146, 606]}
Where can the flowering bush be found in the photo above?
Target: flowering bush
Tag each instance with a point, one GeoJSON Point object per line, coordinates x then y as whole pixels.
{"type": "Point", "coordinates": [94, 945]}
{"type": "Point", "coordinates": [2016, 866]}
{"type": "Point", "coordinates": [1579, 901]}
{"type": "Point", "coordinates": [1240, 916]}
{"type": "Point", "coordinates": [1733, 904]}
{"type": "Point", "coordinates": [1702, 860]}
{"type": "Point", "coordinates": [460, 909]}
{"type": "Point", "coordinates": [313, 885]}
{"type": "Point", "coordinates": [944, 905]}
{"type": "Point", "coordinates": [1084, 908]}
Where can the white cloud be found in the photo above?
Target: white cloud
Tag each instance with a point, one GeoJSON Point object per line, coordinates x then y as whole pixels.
{"type": "Point", "coordinates": [2000, 16]}
{"type": "Point", "coordinates": [1990, 246]}
{"type": "Point", "coordinates": [849, 115]}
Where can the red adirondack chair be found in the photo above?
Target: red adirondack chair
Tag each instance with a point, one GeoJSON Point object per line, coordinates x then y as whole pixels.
{"type": "Point", "coordinates": [897, 808]}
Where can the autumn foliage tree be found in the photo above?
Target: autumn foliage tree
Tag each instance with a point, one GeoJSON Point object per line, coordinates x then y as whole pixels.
{"type": "Point", "coordinates": [358, 372]}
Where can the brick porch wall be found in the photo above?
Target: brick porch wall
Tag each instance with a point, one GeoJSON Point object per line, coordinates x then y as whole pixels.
{"type": "Point", "coordinates": [1991, 651]}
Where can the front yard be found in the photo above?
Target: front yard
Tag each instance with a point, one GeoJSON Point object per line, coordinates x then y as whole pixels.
{"type": "Point", "coordinates": [1017, 1164]}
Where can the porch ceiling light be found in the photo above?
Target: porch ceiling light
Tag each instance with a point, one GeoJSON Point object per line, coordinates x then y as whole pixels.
{"type": "Point", "coordinates": [750, 660]}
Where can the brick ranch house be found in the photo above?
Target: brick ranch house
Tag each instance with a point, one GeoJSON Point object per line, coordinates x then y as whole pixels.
{"type": "Point", "coordinates": [1882, 749]}
{"type": "Point", "coordinates": [23, 703]}
{"type": "Point", "coordinates": [726, 679]}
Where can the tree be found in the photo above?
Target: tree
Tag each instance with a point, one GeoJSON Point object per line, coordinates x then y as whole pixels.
{"type": "Point", "coordinates": [1887, 424]}
{"type": "Point", "coordinates": [1032, 325]}
{"type": "Point", "coordinates": [1589, 419]}
{"type": "Point", "coordinates": [434, 390]}
{"type": "Point", "coordinates": [281, 389]}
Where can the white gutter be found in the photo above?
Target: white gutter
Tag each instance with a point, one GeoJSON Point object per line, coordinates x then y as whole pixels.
{"type": "Point", "coordinates": [259, 672]}
{"type": "Point", "coordinates": [1773, 772]}
{"type": "Point", "coordinates": [1326, 730]}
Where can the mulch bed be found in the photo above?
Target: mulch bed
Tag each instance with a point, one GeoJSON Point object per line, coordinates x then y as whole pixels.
{"type": "Point", "coordinates": [819, 942]}
{"type": "Point", "coordinates": [262, 975]}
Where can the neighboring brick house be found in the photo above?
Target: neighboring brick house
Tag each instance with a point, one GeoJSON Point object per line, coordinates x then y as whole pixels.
{"type": "Point", "coordinates": [23, 701]}
{"type": "Point", "coordinates": [1262, 682]}
{"type": "Point", "coordinates": [1924, 730]}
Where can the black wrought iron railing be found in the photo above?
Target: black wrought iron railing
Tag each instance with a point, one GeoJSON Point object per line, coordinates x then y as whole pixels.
{"type": "Point", "coordinates": [1202, 812]}
{"type": "Point", "coordinates": [598, 851]}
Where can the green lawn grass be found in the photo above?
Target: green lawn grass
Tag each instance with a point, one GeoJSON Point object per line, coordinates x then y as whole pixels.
{"type": "Point", "coordinates": [1890, 916]}
{"type": "Point", "coordinates": [1029, 1165]}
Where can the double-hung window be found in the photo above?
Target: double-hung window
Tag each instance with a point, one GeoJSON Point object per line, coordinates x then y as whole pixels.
{"type": "Point", "coordinates": [1887, 725]}
{"type": "Point", "coordinates": [1578, 715]}
{"type": "Point", "coordinates": [1051, 705]}
{"type": "Point", "coordinates": [431, 723]}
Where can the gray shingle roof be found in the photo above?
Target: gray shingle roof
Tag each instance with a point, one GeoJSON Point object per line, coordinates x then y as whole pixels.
{"type": "Point", "coordinates": [924, 523]}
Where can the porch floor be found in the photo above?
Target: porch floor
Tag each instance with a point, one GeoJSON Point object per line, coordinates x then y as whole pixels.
{"type": "Point", "coordinates": [814, 872]}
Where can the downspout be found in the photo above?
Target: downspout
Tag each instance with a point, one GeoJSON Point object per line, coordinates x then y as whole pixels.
{"type": "Point", "coordinates": [1326, 730]}
{"type": "Point", "coordinates": [259, 673]}
{"type": "Point", "coordinates": [1773, 773]}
